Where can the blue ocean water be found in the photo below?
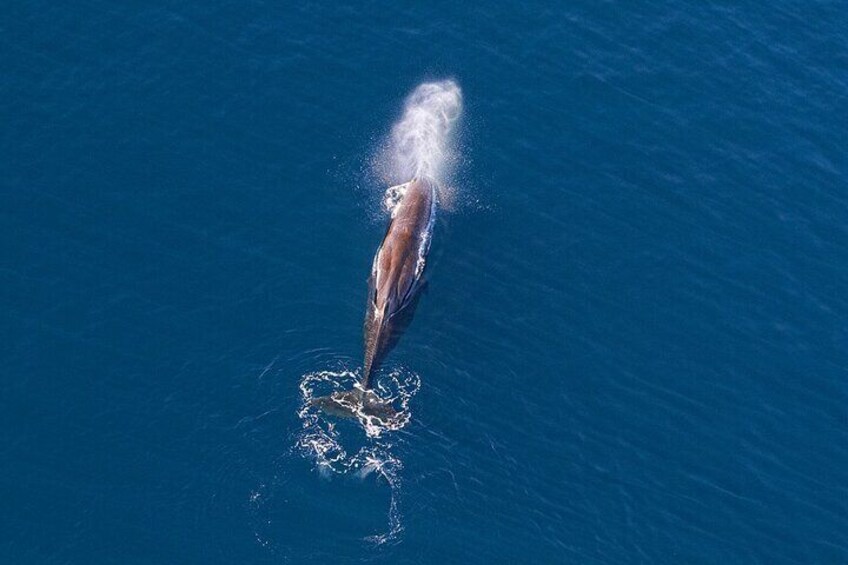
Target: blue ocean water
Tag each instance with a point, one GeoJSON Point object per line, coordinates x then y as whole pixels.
{"type": "Point", "coordinates": [633, 344]}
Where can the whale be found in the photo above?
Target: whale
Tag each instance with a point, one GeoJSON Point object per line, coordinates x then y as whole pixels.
{"type": "Point", "coordinates": [397, 276]}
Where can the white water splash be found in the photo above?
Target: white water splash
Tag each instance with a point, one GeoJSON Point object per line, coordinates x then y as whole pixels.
{"type": "Point", "coordinates": [423, 142]}
{"type": "Point", "coordinates": [322, 438]}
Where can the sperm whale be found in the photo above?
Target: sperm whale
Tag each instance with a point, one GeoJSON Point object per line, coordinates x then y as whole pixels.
{"type": "Point", "coordinates": [396, 277]}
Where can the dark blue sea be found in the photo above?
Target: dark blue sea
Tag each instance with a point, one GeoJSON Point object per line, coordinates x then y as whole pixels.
{"type": "Point", "coordinates": [632, 346]}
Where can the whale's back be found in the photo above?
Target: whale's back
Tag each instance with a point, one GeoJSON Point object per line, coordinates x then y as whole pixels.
{"type": "Point", "coordinates": [398, 266]}
{"type": "Point", "coordinates": [400, 259]}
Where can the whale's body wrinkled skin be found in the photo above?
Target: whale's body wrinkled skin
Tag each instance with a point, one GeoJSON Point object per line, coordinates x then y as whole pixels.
{"type": "Point", "coordinates": [396, 273]}
{"type": "Point", "coordinates": [396, 277]}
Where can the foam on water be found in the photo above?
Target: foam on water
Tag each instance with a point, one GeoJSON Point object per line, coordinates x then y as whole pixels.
{"type": "Point", "coordinates": [334, 452]}
{"type": "Point", "coordinates": [396, 387]}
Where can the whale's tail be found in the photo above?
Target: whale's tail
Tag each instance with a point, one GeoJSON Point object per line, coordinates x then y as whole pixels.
{"type": "Point", "coordinates": [361, 401]}
{"type": "Point", "coordinates": [358, 403]}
